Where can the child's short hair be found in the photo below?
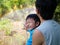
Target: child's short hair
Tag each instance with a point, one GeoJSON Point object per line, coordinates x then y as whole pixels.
{"type": "Point", "coordinates": [33, 16]}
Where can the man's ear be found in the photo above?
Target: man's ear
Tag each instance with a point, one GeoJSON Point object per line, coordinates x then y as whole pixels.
{"type": "Point", "coordinates": [37, 11]}
{"type": "Point", "coordinates": [37, 24]}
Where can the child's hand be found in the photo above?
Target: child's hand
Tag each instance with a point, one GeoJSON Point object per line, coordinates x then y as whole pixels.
{"type": "Point", "coordinates": [26, 26]}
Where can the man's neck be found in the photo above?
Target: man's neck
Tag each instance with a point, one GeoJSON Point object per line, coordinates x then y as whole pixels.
{"type": "Point", "coordinates": [42, 20]}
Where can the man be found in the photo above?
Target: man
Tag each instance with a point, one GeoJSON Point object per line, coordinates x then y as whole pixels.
{"type": "Point", "coordinates": [48, 33]}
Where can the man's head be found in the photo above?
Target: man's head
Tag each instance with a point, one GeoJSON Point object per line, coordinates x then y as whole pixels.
{"type": "Point", "coordinates": [46, 8]}
{"type": "Point", "coordinates": [32, 21]}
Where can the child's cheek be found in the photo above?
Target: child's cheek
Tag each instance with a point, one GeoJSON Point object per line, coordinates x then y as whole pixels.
{"type": "Point", "coordinates": [30, 25]}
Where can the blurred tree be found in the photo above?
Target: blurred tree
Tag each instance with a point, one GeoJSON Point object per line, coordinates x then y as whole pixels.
{"type": "Point", "coordinates": [8, 5]}
{"type": "Point", "coordinates": [57, 12]}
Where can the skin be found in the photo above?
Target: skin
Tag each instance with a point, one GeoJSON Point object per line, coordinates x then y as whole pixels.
{"type": "Point", "coordinates": [38, 38]}
{"type": "Point", "coordinates": [30, 24]}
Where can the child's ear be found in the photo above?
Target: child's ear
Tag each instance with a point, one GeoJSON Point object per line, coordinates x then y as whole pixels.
{"type": "Point", "coordinates": [37, 24]}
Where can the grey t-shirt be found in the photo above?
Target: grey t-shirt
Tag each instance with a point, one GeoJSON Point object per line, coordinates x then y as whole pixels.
{"type": "Point", "coordinates": [51, 32]}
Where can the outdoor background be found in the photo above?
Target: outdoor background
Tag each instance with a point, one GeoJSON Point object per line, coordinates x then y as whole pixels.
{"type": "Point", "coordinates": [12, 18]}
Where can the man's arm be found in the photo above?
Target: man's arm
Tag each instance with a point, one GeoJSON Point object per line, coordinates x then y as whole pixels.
{"type": "Point", "coordinates": [38, 38]}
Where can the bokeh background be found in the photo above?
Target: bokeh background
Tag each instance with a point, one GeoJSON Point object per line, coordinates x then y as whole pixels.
{"type": "Point", "coordinates": [12, 18]}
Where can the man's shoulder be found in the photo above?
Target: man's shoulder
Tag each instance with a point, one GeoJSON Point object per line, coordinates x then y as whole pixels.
{"type": "Point", "coordinates": [48, 26]}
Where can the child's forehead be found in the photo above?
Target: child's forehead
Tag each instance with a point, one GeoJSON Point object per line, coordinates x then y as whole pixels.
{"type": "Point", "coordinates": [30, 19]}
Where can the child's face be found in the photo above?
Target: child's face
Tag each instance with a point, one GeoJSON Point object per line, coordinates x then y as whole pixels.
{"type": "Point", "coordinates": [30, 24]}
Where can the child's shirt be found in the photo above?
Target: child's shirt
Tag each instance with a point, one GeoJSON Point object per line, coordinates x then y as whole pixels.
{"type": "Point", "coordinates": [29, 41]}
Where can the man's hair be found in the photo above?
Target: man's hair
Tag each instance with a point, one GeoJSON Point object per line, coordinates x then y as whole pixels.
{"type": "Point", "coordinates": [46, 8]}
{"type": "Point", "coordinates": [33, 16]}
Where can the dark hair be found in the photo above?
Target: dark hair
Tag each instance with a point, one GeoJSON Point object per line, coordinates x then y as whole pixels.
{"type": "Point", "coordinates": [33, 16]}
{"type": "Point", "coordinates": [46, 8]}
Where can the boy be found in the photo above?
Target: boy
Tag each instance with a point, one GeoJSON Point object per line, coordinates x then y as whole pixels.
{"type": "Point", "coordinates": [32, 21]}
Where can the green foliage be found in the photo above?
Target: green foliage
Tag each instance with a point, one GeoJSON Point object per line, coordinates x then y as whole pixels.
{"type": "Point", "coordinates": [57, 12]}
{"type": "Point", "coordinates": [6, 26]}
{"type": "Point", "coordinates": [58, 9]}
{"type": "Point", "coordinates": [7, 5]}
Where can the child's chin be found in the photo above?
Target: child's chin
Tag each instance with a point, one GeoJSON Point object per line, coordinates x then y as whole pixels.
{"type": "Point", "coordinates": [30, 28]}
